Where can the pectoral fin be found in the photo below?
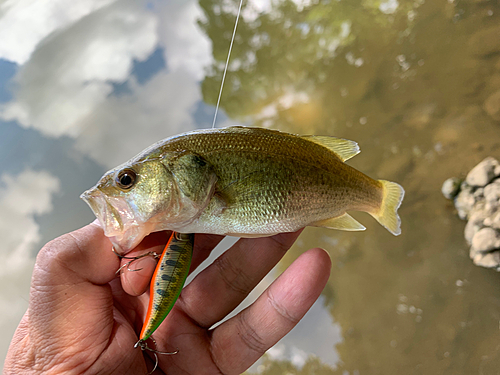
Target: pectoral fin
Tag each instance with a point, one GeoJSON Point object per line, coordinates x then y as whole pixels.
{"type": "Point", "coordinates": [343, 222]}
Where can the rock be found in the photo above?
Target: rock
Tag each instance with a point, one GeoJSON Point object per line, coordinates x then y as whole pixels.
{"type": "Point", "coordinates": [451, 187]}
{"type": "Point", "coordinates": [478, 194]}
{"type": "Point", "coordinates": [475, 223]}
{"type": "Point", "coordinates": [485, 41]}
{"type": "Point", "coordinates": [486, 239]}
{"type": "Point", "coordinates": [464, 202]}
{"type": "Point", "coordinates": [478, 201]}
{"type": "Point", "coordinates": [483, 173]}
{"type": "Point", "coordinates": [473, 253]}
{"type": "Point", "coordinates": [492, 192]}
{"type": "Point", "coordinates": [489, 260]}
{"type": "Point", "coordinates": [493, 221]}
{"type": "Point", "coordinates": [464, 186]}
{"type": "Point", "coordinates": [492, 105]}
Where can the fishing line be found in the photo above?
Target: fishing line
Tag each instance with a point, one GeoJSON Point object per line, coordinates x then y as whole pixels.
{"type": "Point", "coordinates": [227, 63]}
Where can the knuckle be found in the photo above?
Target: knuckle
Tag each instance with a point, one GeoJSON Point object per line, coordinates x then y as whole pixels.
{"type": "Point", "coordinates": [249, 335]}
{"type": "Point", "coordinates": [282, 241]}
{"type": "Point", "coordinates": [58, 253]}
{"type": "Point", "coordinates": [233, 276]}
{"type": "Point", "coordinates": [280, 309]}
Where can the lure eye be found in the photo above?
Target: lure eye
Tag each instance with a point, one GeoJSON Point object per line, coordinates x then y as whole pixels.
{"type": "Point", "coordinates": [126, 178]}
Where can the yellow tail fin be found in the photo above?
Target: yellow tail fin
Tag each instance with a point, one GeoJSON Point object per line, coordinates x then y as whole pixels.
{"type": "Point", "coordinates": [387, 215]}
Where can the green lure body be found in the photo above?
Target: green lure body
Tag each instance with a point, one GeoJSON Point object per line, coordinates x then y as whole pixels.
{"type": "Point", "coordinates": [168, 279]}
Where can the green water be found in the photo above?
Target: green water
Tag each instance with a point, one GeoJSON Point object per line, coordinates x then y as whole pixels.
{"type": "Point", "coordinates": [410, 86]}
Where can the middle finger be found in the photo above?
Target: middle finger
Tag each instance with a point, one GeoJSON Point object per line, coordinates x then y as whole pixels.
{"type": "Point", "coordinates": [226, 282]}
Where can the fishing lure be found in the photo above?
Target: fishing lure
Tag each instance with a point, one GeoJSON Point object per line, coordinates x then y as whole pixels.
{"type": "Point", "coordinates": [167, 282]}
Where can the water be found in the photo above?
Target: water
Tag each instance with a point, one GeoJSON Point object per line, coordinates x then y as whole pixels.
{"type": "Point", "coordinates": [408, 80]}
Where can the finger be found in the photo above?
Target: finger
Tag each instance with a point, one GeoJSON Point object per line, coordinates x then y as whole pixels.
{"type": "Point", "coordinates": [239, 342]}
{"type": "Point", "coordinates": [203, 246]}
{"type": "Point", "coordinates": [226, 282]}
{"type": "Point", "coordinates": [136, 276]}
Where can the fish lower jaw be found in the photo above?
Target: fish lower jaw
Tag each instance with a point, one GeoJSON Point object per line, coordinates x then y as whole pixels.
{"type": "Point", "coordinates": [127, 240]}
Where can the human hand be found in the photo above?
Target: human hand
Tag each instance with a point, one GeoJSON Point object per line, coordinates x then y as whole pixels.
{"type": "Point", "coordinates": [83, 319]}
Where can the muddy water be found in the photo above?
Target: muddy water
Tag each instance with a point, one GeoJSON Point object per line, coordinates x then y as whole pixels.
{"type": "Point", "coordinates": [413, 83]}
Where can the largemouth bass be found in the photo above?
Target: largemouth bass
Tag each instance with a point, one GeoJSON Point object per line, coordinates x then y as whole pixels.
{"type": "Point", "coordinates": [240, 181]}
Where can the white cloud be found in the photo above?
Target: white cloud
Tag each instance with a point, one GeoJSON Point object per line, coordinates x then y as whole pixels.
{"type": "Point", "coordinates": [22, 197]}
{"type": "Point", "coordinates": [123, 126]}
{"type": "Point", "coordinates": [64, 88]}
{"type": "Point", "coordinates": [24, 23]}
{"type": "Point", "coordinates": [68, 75]}
{"type": "Point", "coordinates": [186, 46]}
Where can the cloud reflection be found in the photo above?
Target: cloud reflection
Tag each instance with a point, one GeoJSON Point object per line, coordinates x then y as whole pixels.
{"type": "Point", "coordinates": [66, 87]}
{"type": "Point", "coordinates": [24, 23]}
{"type": "Point", "coordinates": [70, 59]}
{"type": "Point", "coordinates": [68, 74]}
{"type": "Point", "coordinates": [22, 198]}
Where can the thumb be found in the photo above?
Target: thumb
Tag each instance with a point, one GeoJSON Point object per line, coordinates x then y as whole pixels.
{"type": "Point", "coordinates": [71, 304]}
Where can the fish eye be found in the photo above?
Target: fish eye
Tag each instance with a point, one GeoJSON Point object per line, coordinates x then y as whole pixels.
{"type": "Point", "coordinates": [126, 178]}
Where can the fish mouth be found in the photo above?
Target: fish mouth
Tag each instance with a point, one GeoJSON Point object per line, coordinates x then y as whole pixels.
{"type": "Point", "coordinates": [117, 218]}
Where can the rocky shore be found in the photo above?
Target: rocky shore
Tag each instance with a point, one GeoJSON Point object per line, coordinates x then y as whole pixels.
{"type": "Point", "coordinates": [477, 200]}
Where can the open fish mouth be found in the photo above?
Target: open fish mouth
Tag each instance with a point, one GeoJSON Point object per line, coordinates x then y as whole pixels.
{"type": "Point", "coordinates": [117, 218]}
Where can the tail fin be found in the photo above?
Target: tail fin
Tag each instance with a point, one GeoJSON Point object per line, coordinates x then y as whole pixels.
{"type": "Point", "coordinates": [387, 214]}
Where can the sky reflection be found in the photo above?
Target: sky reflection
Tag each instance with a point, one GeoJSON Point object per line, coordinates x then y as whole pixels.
{"type": "Point", "coordinates": [83, 86]}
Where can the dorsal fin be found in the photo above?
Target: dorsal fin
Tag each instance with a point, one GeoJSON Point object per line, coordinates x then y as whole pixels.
{"type": "Point", "coordinates": [343, 148]}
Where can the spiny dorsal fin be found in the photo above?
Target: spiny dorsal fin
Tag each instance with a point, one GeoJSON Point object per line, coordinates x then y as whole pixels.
{"type": "Point", "coordinates": [343, 222]}
{"type": "Point", "coordinates": [343, 148]}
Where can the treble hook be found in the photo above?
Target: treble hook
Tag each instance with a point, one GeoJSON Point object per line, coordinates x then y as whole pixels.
{"type": "Point", "coordinates": [133, 259]}
{"type": "Point", "coordinates": [181, 236]}
{"type": "Point", "coordinates": [144, 346]}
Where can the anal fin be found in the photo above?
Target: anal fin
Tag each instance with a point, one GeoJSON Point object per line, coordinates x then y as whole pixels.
{"type": "Point", "coordinates": [343, 222]}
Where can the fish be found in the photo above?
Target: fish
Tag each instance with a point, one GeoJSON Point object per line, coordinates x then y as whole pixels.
{"type": "Point", "coordinates": [239, 181]}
